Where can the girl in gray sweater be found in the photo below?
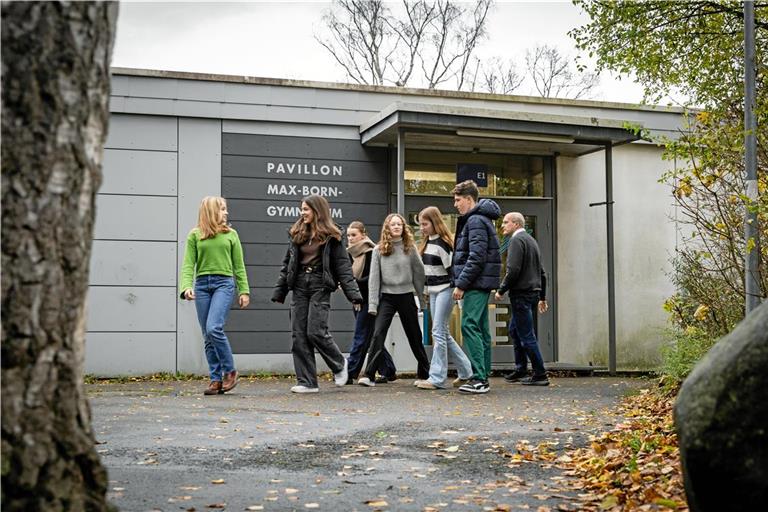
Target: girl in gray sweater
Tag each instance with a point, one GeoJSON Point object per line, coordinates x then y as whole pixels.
{"type": "Point", "coordinates": [397, 274]}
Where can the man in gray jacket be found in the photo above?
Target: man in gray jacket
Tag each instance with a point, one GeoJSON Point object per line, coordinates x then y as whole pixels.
{"type": "Point", "coordinates": [526, 283]}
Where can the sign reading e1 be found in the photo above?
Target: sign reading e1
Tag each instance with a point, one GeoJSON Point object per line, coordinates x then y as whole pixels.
{"type": "Point", "coordinates": [475, 172]}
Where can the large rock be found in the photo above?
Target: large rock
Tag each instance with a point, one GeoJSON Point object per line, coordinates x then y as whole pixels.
{"type": "Point", "coordinates": [721, 417]}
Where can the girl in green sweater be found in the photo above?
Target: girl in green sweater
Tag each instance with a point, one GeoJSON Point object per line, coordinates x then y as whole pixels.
{"type": "Point", "coordinates": [213, 263]}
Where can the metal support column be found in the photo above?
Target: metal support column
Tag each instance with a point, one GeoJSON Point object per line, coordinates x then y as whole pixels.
{"type": "Point", "coordinates": [611, 280]}
{"type": "Point", "coordinates": [401, 171]}
{"type": "Point", "coordinates": [609, 236]}
{"type": "Point", "coordinates": [751, 233]}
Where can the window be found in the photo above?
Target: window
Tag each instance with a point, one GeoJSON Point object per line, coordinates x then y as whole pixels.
{"type": "Point", "coordinates": [434, 173]}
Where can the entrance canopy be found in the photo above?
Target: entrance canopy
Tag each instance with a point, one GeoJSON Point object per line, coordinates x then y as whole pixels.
{"type": "Point", "coordinates": [453, 128]}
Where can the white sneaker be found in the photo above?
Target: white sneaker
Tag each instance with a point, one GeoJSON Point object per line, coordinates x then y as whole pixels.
{"type": "Point", "coordinates": [304, 389]}
{"type": "Point", "coordinates": [341, 378]}
{"type": "Point", "coordinates": [365, 381]}
{"type": "Point", "coordinates": [417, 382]}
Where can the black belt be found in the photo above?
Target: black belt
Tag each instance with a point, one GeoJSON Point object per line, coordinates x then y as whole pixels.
{"type": "Point", "coordinates": [310, 268]}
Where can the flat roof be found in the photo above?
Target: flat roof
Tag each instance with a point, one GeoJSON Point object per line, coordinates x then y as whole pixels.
{"type": "Point", "coordinates": [430, 126]}
{"type": "Point", "coordinates": [240, 79]}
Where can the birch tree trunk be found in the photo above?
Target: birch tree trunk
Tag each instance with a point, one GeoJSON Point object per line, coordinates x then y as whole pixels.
{"type": "Point", "coordinates": [55, 93]}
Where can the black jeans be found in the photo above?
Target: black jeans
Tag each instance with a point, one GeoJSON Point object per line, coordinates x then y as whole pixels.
{"type": "Point", "coordinates": [404, 304]}
{"type": "Point", "coordinates": [310, 309]}
{"type": "Point", "coordinates": [361, 342]}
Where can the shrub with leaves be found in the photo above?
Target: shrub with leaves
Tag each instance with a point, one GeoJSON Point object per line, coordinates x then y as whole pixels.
{"type": "Point", "coordinates": [685, 348]}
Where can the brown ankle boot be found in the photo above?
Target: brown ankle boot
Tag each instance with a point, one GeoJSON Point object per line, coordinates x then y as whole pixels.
{"type": "Point", "coordinates": [230, 381]}
{"type": "Point", "coordinates": [214, 388]}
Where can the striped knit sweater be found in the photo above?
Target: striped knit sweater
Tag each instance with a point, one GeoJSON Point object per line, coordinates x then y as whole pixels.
{"type": "Point", "coordinates": [437, 264]}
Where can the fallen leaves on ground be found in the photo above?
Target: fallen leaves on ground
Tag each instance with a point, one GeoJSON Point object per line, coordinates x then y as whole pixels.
{"type": "Point", "coordinates": [635, 466]}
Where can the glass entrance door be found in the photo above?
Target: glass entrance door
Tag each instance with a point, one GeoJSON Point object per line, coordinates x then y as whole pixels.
{"type": "Point", "coordinates": [538, 213]}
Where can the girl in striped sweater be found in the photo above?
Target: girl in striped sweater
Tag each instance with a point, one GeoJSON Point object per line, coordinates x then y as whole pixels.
{"type": "Point", "coordinates": [436, 250]}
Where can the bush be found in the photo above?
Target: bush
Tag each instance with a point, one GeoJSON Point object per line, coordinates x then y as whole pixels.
{"type": "Point", "coordinates": [685, 347]}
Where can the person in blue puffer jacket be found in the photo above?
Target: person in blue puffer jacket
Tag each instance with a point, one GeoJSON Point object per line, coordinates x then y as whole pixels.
{"type": "Point", "coordinates": [476, 273]}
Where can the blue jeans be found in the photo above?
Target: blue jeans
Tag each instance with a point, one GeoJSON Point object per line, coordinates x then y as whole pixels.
{"type": "Point", "coordinates": [361, 342]}
{"type": "Point", "coordinates": [213, 298]}
{"type": "Point", "coordinates": [523, 335]}
{"type": "Point", "coordinates": [440, 307]}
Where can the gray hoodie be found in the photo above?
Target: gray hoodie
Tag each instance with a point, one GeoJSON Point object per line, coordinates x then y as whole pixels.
{"type": "Point", "coordinates": [396, 273]}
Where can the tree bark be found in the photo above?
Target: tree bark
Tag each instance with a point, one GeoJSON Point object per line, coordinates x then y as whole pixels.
{"type": "Point", "coordinates": [55, 79]}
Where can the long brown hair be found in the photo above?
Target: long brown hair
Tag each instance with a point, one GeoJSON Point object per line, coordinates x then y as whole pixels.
{"type": "Point", "coordinates": [385, 244]}
{"type": "Point", "coordinates": [322, 225]}
{"type": "Point", "coordinates": [433, 215]}
{"type": "Point", "coordinates": [209, 222]}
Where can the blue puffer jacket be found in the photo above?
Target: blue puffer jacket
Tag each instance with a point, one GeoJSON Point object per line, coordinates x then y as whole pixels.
{"type": "Point", "coordinates": [476, 254]}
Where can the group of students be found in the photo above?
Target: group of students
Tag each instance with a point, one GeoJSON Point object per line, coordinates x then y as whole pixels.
{"type": "Point", "coordinates": [379, 279]}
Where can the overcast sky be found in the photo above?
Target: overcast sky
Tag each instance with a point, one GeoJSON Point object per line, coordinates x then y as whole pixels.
{"type": "Point", "coordinates": [276, 39]}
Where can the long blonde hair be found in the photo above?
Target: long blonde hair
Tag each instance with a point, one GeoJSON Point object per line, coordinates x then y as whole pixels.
{"type": "Point", "coordinates": [209, 221]}
{"type": "Point", "coordinates": [385, 244]}
{"type": "Point", "coordinates": [322, 225]}
{"type": "Point", "coordinates": [433, 215]}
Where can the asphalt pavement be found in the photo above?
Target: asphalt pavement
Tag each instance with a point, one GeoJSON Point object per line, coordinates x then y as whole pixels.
{"type": "Point", "coordinates": [393, 447]}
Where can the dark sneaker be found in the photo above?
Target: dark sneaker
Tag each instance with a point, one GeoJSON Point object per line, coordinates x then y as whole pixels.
{"type": "Point", "coordinates": [475, 386]}
{"type": "Point", "coordinates": [381, 380]}
{"type": "Point", "coordinates": [516, 376]}
{"type": "Point", "coordinates": [541, 380]}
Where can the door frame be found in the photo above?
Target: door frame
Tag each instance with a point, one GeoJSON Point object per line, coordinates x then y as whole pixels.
{"type": "Point", "coordinates": [543, 208]}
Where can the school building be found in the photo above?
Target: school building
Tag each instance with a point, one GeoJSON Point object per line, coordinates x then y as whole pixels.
{"type": "Point", "coordinates": [576, 169]}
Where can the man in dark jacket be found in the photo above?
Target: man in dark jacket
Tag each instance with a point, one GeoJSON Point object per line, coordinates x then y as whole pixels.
{"type": "Point", "coordinates": [526, 283]}
{"type": "Point", "coordinates": [476, 272]}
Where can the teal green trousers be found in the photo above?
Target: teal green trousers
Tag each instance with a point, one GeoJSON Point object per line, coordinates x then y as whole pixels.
{"type": "Point", "coordinates": [476, 333]}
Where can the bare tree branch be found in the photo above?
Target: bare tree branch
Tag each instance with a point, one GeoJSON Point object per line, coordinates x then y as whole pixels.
{"type": "Point", "coordinates": [554, 75]}
{"type": "Point", "coordinates": [425, 41]}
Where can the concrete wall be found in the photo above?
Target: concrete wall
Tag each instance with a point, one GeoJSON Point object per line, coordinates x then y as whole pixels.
{"type": "Point", "coordinates": [644, 239]}
{"type": "Point", "coordinates": [132, 299]}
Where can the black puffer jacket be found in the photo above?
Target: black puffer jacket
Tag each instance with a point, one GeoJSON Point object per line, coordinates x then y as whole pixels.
{"type": "Point", "coordinates": [337, 270]}
{"type": "Point", "coordinates": [476, 255]}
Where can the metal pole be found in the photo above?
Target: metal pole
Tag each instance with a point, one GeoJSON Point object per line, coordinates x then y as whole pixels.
{"type": "Point", "coordinates": [611, 280]}
{"type": "Point", "coordinates": [752, 254]}
{"type": "Point", "coordinates": [401, 171]}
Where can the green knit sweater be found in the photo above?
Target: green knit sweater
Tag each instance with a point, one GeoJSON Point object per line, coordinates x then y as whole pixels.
{"type": "Point", "coordinates": [221, 255]}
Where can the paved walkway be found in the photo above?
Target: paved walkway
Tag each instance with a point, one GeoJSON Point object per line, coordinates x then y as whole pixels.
{"type": "Point", "coordinates": [393, 447]}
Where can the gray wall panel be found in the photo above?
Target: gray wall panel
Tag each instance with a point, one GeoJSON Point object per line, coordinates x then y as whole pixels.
{"type": "Point", "coordinates": [199, 176]}
{"type": "Point", "coordinates": [300, 147]}
{"type": "Point", "coordinates": [135, 218]}
{"type": "Point", "coordinates": [129, 353]}
{"type": "Point", "coordinates": [264, 254]}
{"type": "Point", "coordinates": [260, 277]}
{"type": "Point", "coordinates": [270, 320]}
{"type": "Point", "coordinates": [291, 129]}
{"type": "Point", "coordinates": [260, 342]}
{"type": "Point", "coordinates": [288, 211]}
{"type": "Point", "coordinates": [124, 263]}
{"type": "Point", "coordinates": [127, 131]}
{"type": "Point", "coordinates": [125, 308]}
{"type": "Point", "coordinates": [285, 190]}
{"type": "Point", "coordinates": [262, 232]}
{"type": "Point", "coordinates": [139, 172]}
{"type": "Point", "coordinates": [261, 298]}
{"type": "Point", "coordinates": [279, 168]}
{"type": "Point", "coordinates": [313, 115]}
{"type": "Point", "coordinates": [277, 342]}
